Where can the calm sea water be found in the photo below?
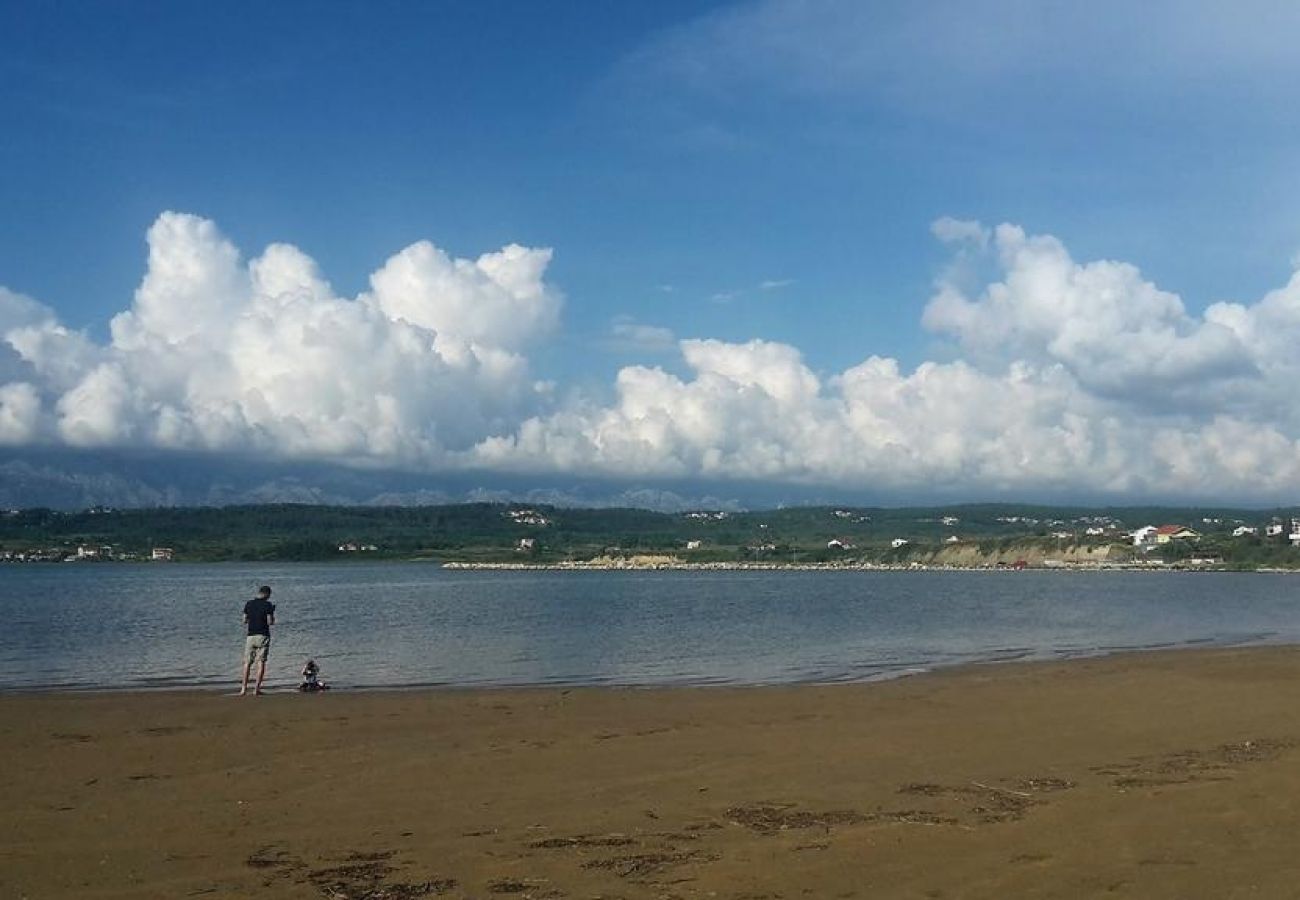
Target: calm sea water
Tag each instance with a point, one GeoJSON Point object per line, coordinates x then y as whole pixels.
{"type": "Point", "coordinates": [388, 625]}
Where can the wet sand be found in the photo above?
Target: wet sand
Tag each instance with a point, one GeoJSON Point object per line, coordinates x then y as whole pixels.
{"type": "Point", "coordinates": [1160, 775]}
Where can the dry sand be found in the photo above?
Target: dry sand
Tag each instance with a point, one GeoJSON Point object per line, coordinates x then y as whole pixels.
{"type": "Point", "coordinates": [1174, 774]}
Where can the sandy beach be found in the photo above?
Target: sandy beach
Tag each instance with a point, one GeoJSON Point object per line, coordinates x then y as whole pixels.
{"type": "Point", "coordinates": [1156, 775]}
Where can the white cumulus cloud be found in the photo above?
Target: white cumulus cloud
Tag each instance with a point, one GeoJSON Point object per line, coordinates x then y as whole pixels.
{"type": "Point", "coordinates": [217, 353]}
{"type": "Point", "coordinates": [1114, 331]}
{"type": "Point", "coordinates": [1075, 377]}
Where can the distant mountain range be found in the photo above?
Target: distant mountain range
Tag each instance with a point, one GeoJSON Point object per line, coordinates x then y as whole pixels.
{"type": "Point", "coordinates": [71, 480]}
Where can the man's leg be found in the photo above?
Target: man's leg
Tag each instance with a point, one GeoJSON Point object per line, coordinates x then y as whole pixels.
{"type": "Point", "coordinates": [243, 684]}
{"type": "Point", "coordinates": [261, 674]}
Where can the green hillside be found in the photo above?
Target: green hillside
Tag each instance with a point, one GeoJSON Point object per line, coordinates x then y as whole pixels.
{"type": "Point", "coordinates": [543, 534]}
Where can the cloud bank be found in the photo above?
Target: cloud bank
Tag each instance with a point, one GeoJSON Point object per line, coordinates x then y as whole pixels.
{"type": "Point", "coordinates": [1066, 377]}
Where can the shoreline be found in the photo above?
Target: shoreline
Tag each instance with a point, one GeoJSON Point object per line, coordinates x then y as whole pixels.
{"type": "Point", "coordinates": [682, 566]}
{"type": "Point", "coordinates": [1155, 775]}
{"type": "Point", "coordinates": [904, 672]}
{"type": "Point", "coordinates": [633, 565]}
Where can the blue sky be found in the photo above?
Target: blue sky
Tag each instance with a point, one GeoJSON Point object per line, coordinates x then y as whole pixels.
{"type": "Point", "coordinates": [760, 180]}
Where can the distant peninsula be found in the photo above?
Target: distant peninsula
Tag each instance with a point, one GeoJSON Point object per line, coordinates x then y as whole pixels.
{"type": "Point", "coordinates": [988, 536]}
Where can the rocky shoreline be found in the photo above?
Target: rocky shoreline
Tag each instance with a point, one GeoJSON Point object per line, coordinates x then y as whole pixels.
{"type": "Point", "coordinates": [635, 564]}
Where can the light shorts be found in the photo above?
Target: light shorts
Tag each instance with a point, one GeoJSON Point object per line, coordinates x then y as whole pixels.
{"type": "Point", "coordinates": [256, 648]}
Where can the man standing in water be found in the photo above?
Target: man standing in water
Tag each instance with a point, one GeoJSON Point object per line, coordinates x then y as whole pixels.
{"type": "Point", "coordinates": [259, 616]}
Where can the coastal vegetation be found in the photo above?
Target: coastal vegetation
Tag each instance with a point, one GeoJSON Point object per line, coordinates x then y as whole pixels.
{"type": "Point", "coordinates": [973, 535]}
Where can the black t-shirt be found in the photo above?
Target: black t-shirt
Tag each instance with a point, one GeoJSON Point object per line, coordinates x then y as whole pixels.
{"type": "Point", "coordinates": [259, 612]}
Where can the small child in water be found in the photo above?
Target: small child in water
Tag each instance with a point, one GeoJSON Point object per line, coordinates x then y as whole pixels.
{"type": "Point", "coordinates": [311, 678]}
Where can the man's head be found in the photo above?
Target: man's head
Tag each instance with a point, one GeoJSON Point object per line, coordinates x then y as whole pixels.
{"type": "Point", "coordinates": [263, 592]}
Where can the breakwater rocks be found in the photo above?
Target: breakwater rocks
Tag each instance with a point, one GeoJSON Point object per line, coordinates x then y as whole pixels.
{"type": "Point", "coordinates": [965, 557]}
{"type": "Point", "coordinates": [580, 566]}
{"type": "Point", "coordinates": [683, 565]}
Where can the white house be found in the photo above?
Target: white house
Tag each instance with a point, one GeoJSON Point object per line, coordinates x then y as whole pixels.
{"type": "Point", "coordinates": [1144, 536]}
{"type": "Point", "coordinates": [899, 542]}
{"type": "Point", "coordinates": [1243, 530]}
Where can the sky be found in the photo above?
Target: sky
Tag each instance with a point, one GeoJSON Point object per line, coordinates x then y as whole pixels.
{"type": "Point", "coordinates": [968, 249]}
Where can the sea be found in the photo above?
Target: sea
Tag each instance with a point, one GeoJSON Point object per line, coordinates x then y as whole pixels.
{"type": "Point", "coordinates": [122, 626]}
